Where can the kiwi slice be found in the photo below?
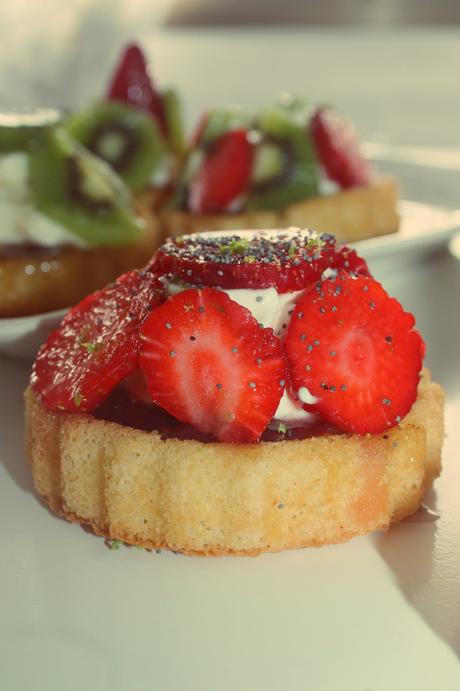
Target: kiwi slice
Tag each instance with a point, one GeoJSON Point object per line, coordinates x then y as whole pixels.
{"type": "Point", "coordinates": [173, 115]}
{"type": "Point", "coordinates": [128, 140]}
{"type": "Point", "coordinates": [270, 161]}
{"type": "Point", "coordinates": [285, 168]}
{"type": "Point", "coordinates": [80, 191]}
{"type": "Point", "coordinates": [19, 130]}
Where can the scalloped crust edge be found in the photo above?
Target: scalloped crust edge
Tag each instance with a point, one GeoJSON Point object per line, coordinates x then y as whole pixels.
{"type": "Point", "coordinates": [224, 499]}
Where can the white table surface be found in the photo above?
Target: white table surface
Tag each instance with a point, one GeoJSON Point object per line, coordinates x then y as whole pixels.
{"type": "Point", "coordinates": [379, 613]}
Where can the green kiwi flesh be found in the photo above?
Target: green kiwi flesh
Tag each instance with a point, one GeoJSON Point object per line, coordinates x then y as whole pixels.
{"type": "Point", "coordinates": [173, 115]}
{"type": "Point", "coordinates": [19, 130]}
{"type": "Point", "coordinates": [127, 139]}
{"type": "Point", "coordinates": [81, 192]}
{"type": "Point", "coordinates": [285, 169]}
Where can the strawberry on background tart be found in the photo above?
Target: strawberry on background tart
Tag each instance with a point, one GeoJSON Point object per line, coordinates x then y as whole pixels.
{"type": "Point", "coordinates": [291, 164]}
{"type": "Point", "coordinates": [247, 392]}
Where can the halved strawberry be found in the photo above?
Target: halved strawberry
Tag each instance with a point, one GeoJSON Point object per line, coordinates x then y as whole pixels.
{"type": "Point", "coordinates": [224, 175]}
{"type": "Point", "coordinates": [354, 349]}
{"type": "Point", "coordinates": [289, 260]}
{"type": "Point", "coordinates": [208, 362]}
{"type": "Point", "coordinates": [131, 83]}
{"type": "Point", "coordinates": [337, 148]}
{"type": "Point", "coordinates": [96, 345]}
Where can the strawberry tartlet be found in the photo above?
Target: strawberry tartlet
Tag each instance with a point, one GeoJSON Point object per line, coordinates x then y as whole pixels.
{"type": "Point", "coordinates": [246, 392]}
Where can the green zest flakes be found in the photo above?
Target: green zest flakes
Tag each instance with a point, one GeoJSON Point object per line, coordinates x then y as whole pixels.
{"type": "Point", "coordinates": [90, 347]}
{"type": "Point", "coordinates": [78, 399]}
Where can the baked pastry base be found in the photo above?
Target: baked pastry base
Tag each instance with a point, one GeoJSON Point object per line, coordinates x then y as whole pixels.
{"type": "Point", "coordinates": [233, 499]}
{"type": "Point", "coordinates": [354, 214]}
{"type": "Point", "coordinates": [47, 280]}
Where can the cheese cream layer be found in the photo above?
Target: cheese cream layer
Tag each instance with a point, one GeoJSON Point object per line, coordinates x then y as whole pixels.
{"type": "Point", "coordinates": [272, 309]}
{"type": "Point", "coordinates": [21, 222]}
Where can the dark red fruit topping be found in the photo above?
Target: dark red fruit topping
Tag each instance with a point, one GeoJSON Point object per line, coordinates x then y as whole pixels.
{"type": "Point", "coordinates": [96, 345]}
{"type": "Point", "coordinates": [337, 148]}
{"type": "Point", "coordinates": [120, 407]}
{"type": "Point", "coordinates": [355, 350]}
{"type": "Point", "coordinates": [132, 84]}
{"type": "Point", "coordinates": [208, 363]}
{"type": "Point", "coordinates": [224, 176]}
{"type": "Point", "coordinates": [289, 260]}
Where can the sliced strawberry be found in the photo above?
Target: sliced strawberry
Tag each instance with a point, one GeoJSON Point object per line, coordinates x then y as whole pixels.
{"type": "Point", "coordinates": [132, 84]}
{"type": "Point", "coordinates": [289, 260]}
{"type": "Point", "coordinates": [355, 350]}
{"type": "Point", "coordinates": [224, 175]}
{"type": "Point", "coordinates": [96, 345]}
{"type": "Point", "coordinates": [337, 148]}
{"type": "Point", "coordinates": [208, 363]}
{"type": "Point", "coordinates": [348, 259]}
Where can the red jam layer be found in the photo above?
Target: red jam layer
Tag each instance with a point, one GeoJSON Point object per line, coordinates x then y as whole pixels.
{"type": "Point", "coordinates": [120, 408]}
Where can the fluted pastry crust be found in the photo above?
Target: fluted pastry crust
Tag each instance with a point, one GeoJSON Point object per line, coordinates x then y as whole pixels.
{"type": "Point", "coordinates": [222, 499]}
{"type": "Point", "coordinates": [350, 215]}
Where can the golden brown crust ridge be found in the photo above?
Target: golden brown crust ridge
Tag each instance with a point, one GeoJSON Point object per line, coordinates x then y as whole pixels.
{"type": "Point", "coordinates": [233, 499]}
{"type": "Point", "coordinates": [354, 214]}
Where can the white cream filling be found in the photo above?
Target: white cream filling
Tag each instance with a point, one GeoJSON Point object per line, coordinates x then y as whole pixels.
{"type": "Point", "coordinates": [326, 186]}
{"type": "Point", "coordinates": [271, 309]}
{"type": "Point", "coordinates": [21, 222]}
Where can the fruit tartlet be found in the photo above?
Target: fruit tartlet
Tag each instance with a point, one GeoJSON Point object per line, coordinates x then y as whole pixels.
{"type": "Point", "coordinates": [137, 129]}
{"type": "Point", "coordinates": [68, 220]}
{"type": "Point", "coordinates": [291, 165]}
{"type": "Point", "coordinates": [246, 392]}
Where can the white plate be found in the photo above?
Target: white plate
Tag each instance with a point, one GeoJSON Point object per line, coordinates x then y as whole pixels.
{"type": "Point", "coordinates": [423, 229]}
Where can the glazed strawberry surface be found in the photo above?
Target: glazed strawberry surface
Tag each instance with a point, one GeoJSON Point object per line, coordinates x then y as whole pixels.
{"type": "Point", "coordinates": [289, 260]}
{"type": "Point", "coordinates": [211, 365]}
{"type": "Point", "coordinates": [96, 345]}
{"type": "Point", "coordinates": [337, 148]}
{"type": "Point", "coordinates": [356, 351]}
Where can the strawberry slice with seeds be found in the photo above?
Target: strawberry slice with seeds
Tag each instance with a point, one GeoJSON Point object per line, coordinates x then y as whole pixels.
{"type": "Point", "coordinates": [354, 349]}
{"type": "Point", "coordinates": [337, 148]}
{"type": "Point", "coordinates": [96, 345]}
{"type": "Point", "coordinates": [208, 362]}
{"type": "Point", "coordinates": [224, 176]}
{"type": "Point", "coordinates": [288, 260]}
{"type": "Point", "coordinates": [131, 83]}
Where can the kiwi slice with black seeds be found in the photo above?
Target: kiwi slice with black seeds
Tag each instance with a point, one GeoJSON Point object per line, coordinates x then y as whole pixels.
{"type": "Point", "coordinates": [285, 170]}
{"type": "Point", "coordinates": [127, 139]}
{"type": "Point", "coordinates": [19, 130]}
{"type": "Point", "coordinates": [81, 192]}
